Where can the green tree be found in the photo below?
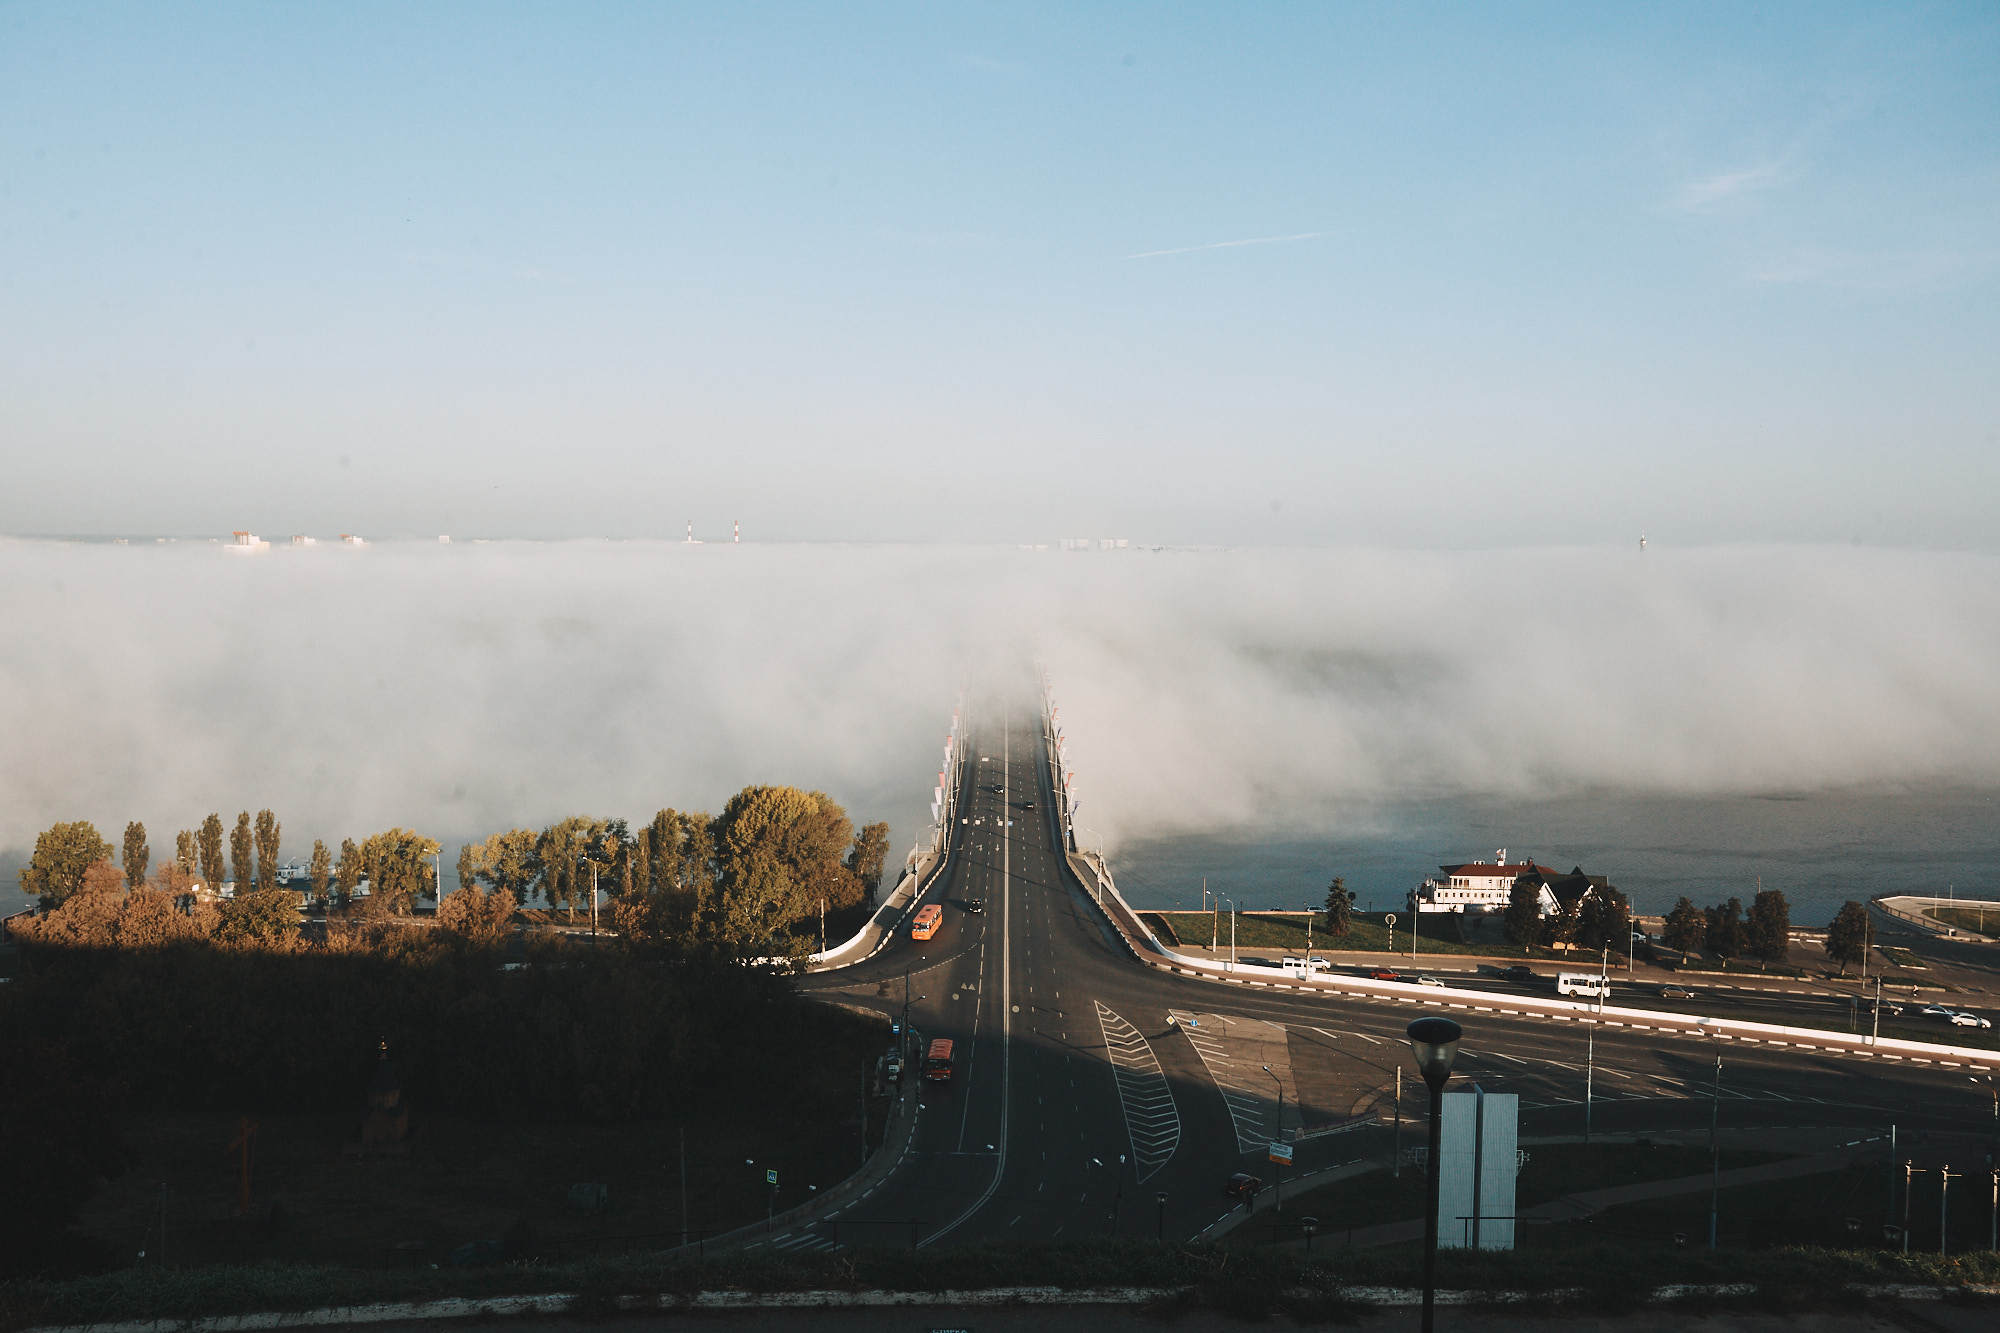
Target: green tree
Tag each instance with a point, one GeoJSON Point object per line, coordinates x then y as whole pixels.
{"type": "Point", "coordinates": [62, 855]}
{"type": "Point", "coordinates": [1604, 919]}
{"type": "Point", "coordinates": [867, 857]}
{"type": "Point", "coordinates": [1339, 908]}
{"type": "Point", "coordinates": [1847, 937]}
{"type": "Point", "coordinates": [262, 918]}
{"type": "Point", "coordinates": [137, 854]}
{"type": "Point", "coordinates": [347, 872]}
{"type": "Point", "coordinates": [1770, 927]}
{"type": "Point", "coordinates": [1686, 928]}
{"type": "Point", "coordinates": [1523, 921]}
{"type": "Point", "coordinates": [267, 851]}
{"type": "Point", "coordinates": [320, 871]}
{"type": "Point", "coordinates": [241, 842]}
{"type": "Point", "coordinates": [398, 865]}
{"type": "Point", "coordinates": [559, 852]}
{"type": "Point", "coordinates": [187, 853]}
{"type": "Point", "coordinates": [210, 842]}
{"type": "Point", "coordinates": [1725, 936]}
{"type": "Point", "coordinates": [506, 861]}
{"type": "Point", "coordinates": [780, 851]}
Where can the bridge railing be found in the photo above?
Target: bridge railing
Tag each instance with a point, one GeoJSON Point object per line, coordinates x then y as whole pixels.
{"type": "Point", "coordinates": [919, 869]}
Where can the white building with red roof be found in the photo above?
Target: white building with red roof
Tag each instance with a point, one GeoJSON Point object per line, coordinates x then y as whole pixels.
{"type": "Point", "coordinates": [1479, 886]}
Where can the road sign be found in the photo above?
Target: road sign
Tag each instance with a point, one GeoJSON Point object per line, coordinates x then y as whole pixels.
{"type": "Point", "coordinates": [1281, 1153]}
{"type": "Point", "coordinates": [771, 1178]}
{"type": "Point", "coordinates": [1389, 920]}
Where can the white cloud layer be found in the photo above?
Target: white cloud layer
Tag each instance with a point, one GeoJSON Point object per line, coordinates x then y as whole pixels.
{"type": "Point", "coordinates": [469, 688]}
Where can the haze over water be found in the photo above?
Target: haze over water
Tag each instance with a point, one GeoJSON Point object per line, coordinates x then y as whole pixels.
{"type": "Point", "coordinates": [1683, 721]}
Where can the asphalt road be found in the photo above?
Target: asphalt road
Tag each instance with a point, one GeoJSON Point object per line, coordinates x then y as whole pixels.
{"type": "Point", "coordinates": [1087, 1086]}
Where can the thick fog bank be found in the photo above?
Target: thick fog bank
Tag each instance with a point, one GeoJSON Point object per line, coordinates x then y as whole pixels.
{"type": "Point", "coordinates": [468, 688]}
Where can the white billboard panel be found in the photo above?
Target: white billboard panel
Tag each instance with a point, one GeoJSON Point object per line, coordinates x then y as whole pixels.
{"type": "Point", "coordinates": [1476, 1170]}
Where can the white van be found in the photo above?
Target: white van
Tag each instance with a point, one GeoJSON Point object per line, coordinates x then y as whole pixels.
{"type": "Point", "coordinates": [1587, 984]}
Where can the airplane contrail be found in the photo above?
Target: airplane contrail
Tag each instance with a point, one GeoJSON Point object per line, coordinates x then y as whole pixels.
{"type": "Point", "coordinates": [1227, 245]}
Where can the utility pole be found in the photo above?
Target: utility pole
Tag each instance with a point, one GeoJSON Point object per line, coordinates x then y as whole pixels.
{"type": "Point", "coordinates": [1875, 1033]}
{"type": "Point", "coordinates": [684, 1187]}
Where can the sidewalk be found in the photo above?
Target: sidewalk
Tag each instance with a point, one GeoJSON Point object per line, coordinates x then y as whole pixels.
{"type": "Point", "coordinates": [1573, 1206]}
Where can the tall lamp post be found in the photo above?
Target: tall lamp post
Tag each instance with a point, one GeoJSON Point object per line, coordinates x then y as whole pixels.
{"type": "Point", "coordinates": [1278, 1136]}
{"type": "Point", "coordinates": [1434, 1043]}
{"type": "Point", "coordinates": [1714, 1150]}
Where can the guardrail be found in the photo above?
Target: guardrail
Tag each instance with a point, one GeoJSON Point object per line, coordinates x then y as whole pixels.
{"type": "Point", "coordinates": [1886, 904]}
{"type": "Point", "coordinates": [919, 870]}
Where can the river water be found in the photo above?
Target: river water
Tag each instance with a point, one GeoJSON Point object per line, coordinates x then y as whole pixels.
{"type": "Point", "coordinates": [1819, 848]}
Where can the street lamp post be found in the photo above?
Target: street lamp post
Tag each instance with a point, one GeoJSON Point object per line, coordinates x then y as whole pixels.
{"type": "Point", "coordinates": [1278, 1136]}
{"type": "Point", "coordinates": [1161, 1199]}
{"type": "Point", "coordinates": [1434, 1043]}
{"type": "Point", "coordinates": [1232, 928]}
{"type": "Point", "coordinates": [1714, 1148]}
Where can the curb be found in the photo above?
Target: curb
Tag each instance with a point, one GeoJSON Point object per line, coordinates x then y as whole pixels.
{"type": "Point", "coordinates": [669, 1302]}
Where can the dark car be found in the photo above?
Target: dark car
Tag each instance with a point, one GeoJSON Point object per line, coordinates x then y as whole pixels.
{"type": "Point", "coordinates": [975, 905]}
{"type": "Point", "coordinates": [1243, 1185]}
{"type": "Point", "coordinates": [1518, 972]}
{"type": "Point", "coordinates": [1889, 1007]}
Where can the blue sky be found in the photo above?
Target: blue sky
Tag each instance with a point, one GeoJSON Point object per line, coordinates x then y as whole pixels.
{"type": "Point", "coordinates": [1282, 273]}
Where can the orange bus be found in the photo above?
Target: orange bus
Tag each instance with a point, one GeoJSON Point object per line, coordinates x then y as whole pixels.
{"type": "Point", "coordinates": [925, 923]}
{"type": "Point", "coordinates": [937, 1061]}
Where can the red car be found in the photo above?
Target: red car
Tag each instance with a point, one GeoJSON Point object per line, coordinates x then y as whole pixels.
{"type": "Point", "coordinates": [1382, 974]}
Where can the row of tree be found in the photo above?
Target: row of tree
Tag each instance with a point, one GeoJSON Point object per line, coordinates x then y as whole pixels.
{"type": "Point", "coordinates": [1726, 931]}
{"type": "Point", "coordinates": [745, 882]}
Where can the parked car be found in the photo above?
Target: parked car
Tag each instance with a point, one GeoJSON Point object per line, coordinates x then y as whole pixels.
{"type": "Point", "coordinates": [1383, 974]}
{"type": "Point", "coordinates": [892, 1065]}
{"type": "Point", "coordinates": [1243, 1185]}
{"type": "Point", "coordinates": [1428, 980]}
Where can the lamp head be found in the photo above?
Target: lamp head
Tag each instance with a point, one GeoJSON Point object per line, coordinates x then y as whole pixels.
{"type": "Point", "coordinates": [1434, 1041]}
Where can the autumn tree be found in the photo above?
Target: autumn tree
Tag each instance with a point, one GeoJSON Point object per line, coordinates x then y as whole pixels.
{"type": "Point", "coordinates": [267, 851]}
{"type": "Point", "coordinates": [321, 871]}
{"type": "Point", "coordinates": [347, 872]}
{"type": "Point", "coordinates": [1686, 928]}
{"type": "Point", "coordinates": [137, 854]}
{"type": "Point", "coordinates": [867, 857]}
{"type": "Point", "coordinates": [210, 843]}
{"type": "Point", "coordinates": [185, 852]}
{"type": "Point", "coordinates": [1725, 936]}
{"type": "Point", "coordinates": [1339, 907]}
{"type": "Point", "coordinates": [1523, 921]}
{"type": "Point", "coordinates": [1769, 928]}
{"type": "Point", "coordinates": [1847, 937]}
{"type": "Point", "coordinates": [62, 856]}
{"type": "Point", "coordinates": [482, 920]}
{"type": "Point", "coordinates": [261, 919]}
{"type": "Point", "coordinates": [241, 842]}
